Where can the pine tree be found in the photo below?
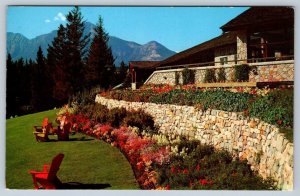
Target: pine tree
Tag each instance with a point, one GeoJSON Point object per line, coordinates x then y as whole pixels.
{"type": "Point", "coordinates": [57, 68]}
{"type": "Point", "coordinates": [76, 47]}
{"type": "Point", "coordinates": [25, 87]}
{"type": "Point", "coordinates": [11, 87]}
{"type": "Point", "coordinates": [38, 81]}
{"type": "Point", "coordinates": [100, 67]}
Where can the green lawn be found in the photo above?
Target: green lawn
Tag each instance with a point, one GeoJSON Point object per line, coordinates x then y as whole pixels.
{"type": "Point", "coordinates": [88, 161]}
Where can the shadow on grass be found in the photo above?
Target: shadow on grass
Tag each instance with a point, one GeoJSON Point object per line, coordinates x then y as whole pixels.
{"type": "Point", "coordinates": [78, 185]}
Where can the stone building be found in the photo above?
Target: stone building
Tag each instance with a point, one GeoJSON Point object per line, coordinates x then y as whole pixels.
{"type": "Point", "coordinates": [261, 37]}
{"type": "Point", "coordinates": [258, 34]}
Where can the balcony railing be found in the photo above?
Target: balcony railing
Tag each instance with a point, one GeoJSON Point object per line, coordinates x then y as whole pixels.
{"type": "Point", "coordinates": [236, 62]}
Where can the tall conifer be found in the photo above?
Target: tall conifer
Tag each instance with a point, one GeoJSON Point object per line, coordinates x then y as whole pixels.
{"type": "Point", "coordinates": [76, 46]}
{"type": "Point", "coordinates": [100, 62]}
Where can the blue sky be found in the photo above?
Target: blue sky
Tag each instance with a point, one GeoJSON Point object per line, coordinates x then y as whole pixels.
{"type": "Point", "coordinates": [177, 28]}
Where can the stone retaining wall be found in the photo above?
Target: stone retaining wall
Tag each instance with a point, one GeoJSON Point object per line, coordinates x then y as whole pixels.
{"type": "Point", "coordinates": [272, 73]}
{"type": "Point", "coordinates": [267, 150]}
{"type": "Point", "coordinates": [260, 72]}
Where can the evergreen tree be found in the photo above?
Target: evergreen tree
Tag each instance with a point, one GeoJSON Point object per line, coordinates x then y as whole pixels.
{"type": "Point", "coordinates": [38, 81]}
{"type": "Point", "coordinates": [58, 76]}
{"type": "Point", "coordinates": [76, 46]}
{"type": "Point", "coordinates": [25, 87]}
{"type": "Point", "coordinates": [11, 87]}
{"type": "Point", "coordinates": [18, 74]}
{"type": "Point", "coordinates": [100, 67]}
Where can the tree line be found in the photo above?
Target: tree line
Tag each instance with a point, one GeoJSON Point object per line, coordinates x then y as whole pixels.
{"type": "Point", "coordinates": [69, 67]}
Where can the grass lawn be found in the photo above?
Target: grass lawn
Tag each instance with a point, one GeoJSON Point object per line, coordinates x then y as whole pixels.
{"type": "Point", "coordinates": [87, 161]}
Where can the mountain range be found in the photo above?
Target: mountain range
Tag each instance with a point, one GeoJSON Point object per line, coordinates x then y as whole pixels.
{"type": "Point", "coordinates": [20, 46]}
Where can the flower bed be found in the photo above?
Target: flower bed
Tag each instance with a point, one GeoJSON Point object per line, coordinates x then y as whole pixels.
{"type": "Point", "coordinates": [274, 106]}
{"type": "Point", "coordinates": [160, 162]}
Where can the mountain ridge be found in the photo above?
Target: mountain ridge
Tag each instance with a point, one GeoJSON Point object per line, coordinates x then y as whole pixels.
{"type": "Point", "coordinates": [123, 50]}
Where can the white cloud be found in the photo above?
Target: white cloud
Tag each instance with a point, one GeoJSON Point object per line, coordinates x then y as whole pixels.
{"type": "Point", "coordinates": [60, 16]}
{"type": "Point", "coordinates": [47, 21]}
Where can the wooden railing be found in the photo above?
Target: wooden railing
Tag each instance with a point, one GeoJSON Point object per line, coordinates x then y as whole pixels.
{"type": "Point", "coordinates": [237, 62]}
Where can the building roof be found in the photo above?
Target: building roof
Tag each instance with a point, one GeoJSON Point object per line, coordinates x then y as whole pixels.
{"type": "Point", "coordinates": [222, 40]}
{"type": "Point", "coordinates": [144, 64]}
{"type": "Point", "coordinates": [261, 16]}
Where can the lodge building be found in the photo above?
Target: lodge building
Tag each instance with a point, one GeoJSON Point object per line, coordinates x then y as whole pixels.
{"type": "Point", "coordinates": [262, 37]}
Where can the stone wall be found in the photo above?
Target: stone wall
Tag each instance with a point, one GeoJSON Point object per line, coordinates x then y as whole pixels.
{"type": "Point", "coordinates": [260, 72]}
{"type": "Point", "coordinates": [261, 144]}
{"type": "Point", "coordinates": [269, 72]}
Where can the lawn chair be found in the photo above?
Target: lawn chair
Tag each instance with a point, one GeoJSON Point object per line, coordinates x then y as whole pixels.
{"type": "Point", "coordinates": [47, 178]}
{"type": "Point", "coordinates": [41, 132]}
{"type": "Point", "coordinates": [63, 134]}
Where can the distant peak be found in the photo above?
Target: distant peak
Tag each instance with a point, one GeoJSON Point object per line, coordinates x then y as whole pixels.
{"type": "Point", "coordinates": [154, 42]}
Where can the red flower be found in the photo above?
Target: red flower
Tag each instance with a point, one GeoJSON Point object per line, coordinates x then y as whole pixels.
{"type": "Point", "coordinates": [279, 122]}
{"type": "Point", "coordinates": [198, 167]}
{"type": "Point", "coordinates": [253, 92]}
{"type": "Point", "coordinates": [173, 169]}
{"type": "Point", "coordinates": [140, 166]}
{"type": "Point", "coordinates": [203, 182]}
{"type": "Point", "coordinates": [185, 171]}
{"type": "Point", "coordinates": [167, 187]}
{"type": "Point", "coordinates": [246, 112]}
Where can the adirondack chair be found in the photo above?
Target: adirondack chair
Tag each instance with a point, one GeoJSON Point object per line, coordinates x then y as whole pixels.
{"type": "Point", "coordinates": [63, 133]}
{"type": "Point", "coordinates": [47, 179]}
{"type": "Point", "coordinates": [63, 129]}
{"type": "Point", "coordinates": [41, 132]}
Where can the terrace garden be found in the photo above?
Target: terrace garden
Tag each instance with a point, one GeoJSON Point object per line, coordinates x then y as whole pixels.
{"type": "Point", "coordinates": [120, 143]}
{"type": "Point", "coordinates": [274, 106]}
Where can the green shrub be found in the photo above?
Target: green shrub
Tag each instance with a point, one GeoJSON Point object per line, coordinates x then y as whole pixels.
{"type": "Point", "coordinates": [224, 100]}
{"type": "Point", "coordinates": [118, 116]}
{"type": "Point", "coordinates": [221, 75]}
{"type": "Point", "coordinates": [210, 76]}
{"type": "Point", "coordinates": [139, 119]}
{"type": "Point", "coordinates": [188, 76]}
{"type": "Point", "coordinates": [206, 168]}
{"type": "Point", "coordinates": [275, 108]}
{"type": "Point", "coordinates": [241, 73]}
{"type": "Point", "coordinates": [115, 116]}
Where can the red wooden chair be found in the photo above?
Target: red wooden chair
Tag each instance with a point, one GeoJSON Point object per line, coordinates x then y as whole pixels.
{"type": "Point", "coordinates": [41, 132]}
{"type": "Point", "coordinates": [63, 133]}
{"type": "Point", "coordinates": [47, 178]}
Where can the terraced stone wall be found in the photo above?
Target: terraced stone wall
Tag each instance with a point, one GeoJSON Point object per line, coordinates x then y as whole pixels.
{"type": "Point", "coordinates": [260, 143]}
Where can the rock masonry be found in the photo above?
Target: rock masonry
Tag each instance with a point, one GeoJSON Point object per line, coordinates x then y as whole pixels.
{"type": "Point", "coordinates": [261, 144]}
